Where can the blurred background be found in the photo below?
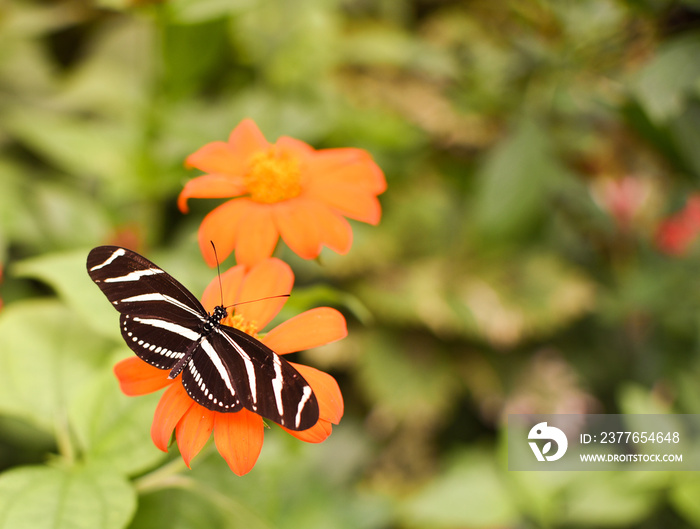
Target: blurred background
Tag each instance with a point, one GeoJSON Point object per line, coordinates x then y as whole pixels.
{"type": "Point", "coordinates": [536, 252]}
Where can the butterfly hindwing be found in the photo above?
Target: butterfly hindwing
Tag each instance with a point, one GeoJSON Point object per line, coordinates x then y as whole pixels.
{"type": "Point", "coordinates": [225, 369]}
{"type": "Point", "coordinates": [235, 370]}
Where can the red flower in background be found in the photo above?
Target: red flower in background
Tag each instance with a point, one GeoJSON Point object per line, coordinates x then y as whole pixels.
{"type": "Point", "coordinates": [286, 189]}
{"type": "Point", "coordinates": [239, 436]}
{"type": "Point", "coordinates": [677, 233]}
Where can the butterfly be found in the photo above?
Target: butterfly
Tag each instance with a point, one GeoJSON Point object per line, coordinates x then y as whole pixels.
{"type": "Point", "coordinates": [223, 369]}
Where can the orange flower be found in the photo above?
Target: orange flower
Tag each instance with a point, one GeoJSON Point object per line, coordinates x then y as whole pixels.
{"type": "Point", "coordinates": [285, 189]}
{"type": "Point", "coordinates": [238, 436]}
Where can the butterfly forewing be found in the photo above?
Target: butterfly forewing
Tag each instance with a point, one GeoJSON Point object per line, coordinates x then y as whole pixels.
{"type": "Point", "coordinates": [160, 319]}
{"type": "Point", "coordinates": [227, 369]}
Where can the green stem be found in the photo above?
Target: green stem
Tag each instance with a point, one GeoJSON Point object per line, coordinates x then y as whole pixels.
{"type": "Point", "coordinates": [63, 440]}
{"type": "Point", "coordinates": [167, 476]}
{"type": "Point", "coordinates": [164, 477]}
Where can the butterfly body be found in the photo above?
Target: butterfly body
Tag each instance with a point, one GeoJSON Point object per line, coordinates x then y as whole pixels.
{"type": "Point", "coordinates": [223, 368]}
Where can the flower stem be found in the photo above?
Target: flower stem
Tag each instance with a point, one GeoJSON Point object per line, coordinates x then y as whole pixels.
{"type": "Point", "coordinates": [166, 477]}
{"type": "Point", "coordinates": [63, 439]}
{"type": "Point", "coordinates": [163, 478]}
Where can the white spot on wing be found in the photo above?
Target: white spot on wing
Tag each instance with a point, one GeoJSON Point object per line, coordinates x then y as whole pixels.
{"type": "Point", "coordinates": [110, 259]}
{"type": "Point", "coordinates": [302, 403]}
{"type": "Point", "coordinates": [170, 326]}
{"type": "Point", "coordinates": [277, 385]}
{"type": "Point", "coordinates": [216, 360]}
{"type": "Point", "coordinates": [250, 369]}
{"type": "Point", "coordinates": [156, 296]}
{"type": "Point", "coordinates": [135, 275]}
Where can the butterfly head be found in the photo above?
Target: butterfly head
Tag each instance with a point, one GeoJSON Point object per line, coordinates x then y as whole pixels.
{"type": "Point", "coordinates": [219, 313]}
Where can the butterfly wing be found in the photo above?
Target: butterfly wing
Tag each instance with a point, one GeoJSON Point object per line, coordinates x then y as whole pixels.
{"type": "Point", "coordinates": [227, 370]}
{"type": "Point", "coordinates": [233, 370]}
{"type": "Point", "coordinates": [160, 319]}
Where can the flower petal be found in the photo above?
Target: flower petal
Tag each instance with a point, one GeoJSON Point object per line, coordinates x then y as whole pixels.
{"type": "Point", "coordinates": [231, 281]}
{"type": "Point", "coordinates": [297, 148]}
{"type": "Point", "coordinates": [247, 139]}
{"type": "Point", "coordinates": [346, 166]}
{"type": "Point", "coordinates": [210, 186]}
{"type": "Point", "coordinates": [172, 406]}
{"type": "Point", "coordinates": [309, 329]}
{"type": "Point", "coordinates": [136, 377]}
{"type": "Point", "coordinates": [216, 157]}
{"type": "Point", "coordinates": [336, 232]}
{"type": "Point", "coordinates": [318, 433]}
{"type": "Point", "coordinates": [257, 235]}
{"type": "Point", "coordinates": [220, 226]}
{"type": "Point", "coordinates": [270, 277]}
{"type": "Point", "coordinates": [298, 223]}
{"type": "Point", "coordinates": [193, 431]}
{"type": "Point", "coordinates": [305, 225]}
{"type": "Point", "coordinates": [239, 438]}
{"type": "Point", "coordinates": [330, 399]}
{"type": "Point", "coordinates": [349, 201]}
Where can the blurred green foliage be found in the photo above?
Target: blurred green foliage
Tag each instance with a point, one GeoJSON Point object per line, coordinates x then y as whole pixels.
{"type": "Point", "coordinates": [532, 149]}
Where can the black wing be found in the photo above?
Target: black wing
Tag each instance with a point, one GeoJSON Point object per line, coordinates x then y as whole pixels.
{"type": "Point", "coordinates": [227, 369]}
{"type": "Point", "coordinates": [231, 369]}
{"type": "Point", "coordinates": [160, 319]}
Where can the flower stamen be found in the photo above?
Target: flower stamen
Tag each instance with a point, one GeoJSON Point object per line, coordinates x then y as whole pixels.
{"type": "Point", "coordinates": [273, 176]}
{"type": "Point", "coordinates": [239, 322]}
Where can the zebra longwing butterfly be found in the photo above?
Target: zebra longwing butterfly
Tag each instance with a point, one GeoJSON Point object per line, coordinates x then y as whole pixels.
{"type": "Point", "coordinates": [223, 369]}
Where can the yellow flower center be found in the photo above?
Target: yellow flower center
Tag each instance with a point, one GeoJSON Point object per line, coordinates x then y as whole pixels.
{"type": "Point", "coordinates": [239, 322]}
{"type": "Point", "coordinates": [273, 177]}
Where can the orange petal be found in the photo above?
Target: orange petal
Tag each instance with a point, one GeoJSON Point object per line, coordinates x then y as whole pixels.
{"type": "Point", "coordinates": [217, 157]}
{"type": "Point", "coordinates": [247, 139]}
{"type": "Point", "coordinates": [136, 377]}
{"type": "Point", "coordinates": [270, 277]}
{"type": "Point", "coordinates": [172, 406]}
{"type": "Point", "coordinates": [257, 235]}
{"type": "Point", "coordinates": [210, 186]}
{"type": "Point", "coordinates": [297, 148]}
{"type": "Point", "coordinates": [220, 226]}
{"type": "Point", "coordinates": [193, 431]}
{"type": "Point", "coordinates": [305, 225]}
{"type": "Point", "coordinates": [239, 438]}
{"type": "Point", "coordinates": [350, 201]}
{"type": "Point", "coordinates": [298, 223]}
{"type": "Point", "coordinates": [309, 329]}
{"type": "Point", "coordinates": [336, 232]}
{"type": "Point", "coordinates": [231, 281]}
{"type": "Point", "coordinates": [348, 167]}
{"type": "Point", "coordinates": [330, 399]}
{"type": "Point", "coordinates": [318, 433]}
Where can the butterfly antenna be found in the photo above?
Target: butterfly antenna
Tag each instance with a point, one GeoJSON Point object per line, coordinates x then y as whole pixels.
{"type": "Point", "coordinates": [259, 299]}
{"type": "Point", "coordinates": [218, 273]}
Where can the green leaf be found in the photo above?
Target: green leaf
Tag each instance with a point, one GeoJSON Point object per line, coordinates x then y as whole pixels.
{"type": "Point", "coordinates": [470, 493]}
{"type": "Point", "coordinates": [685, 131]}
{"type": "Point", "coordinates": [670, 78]}
{"type": "Point", "coordinates": [75, 145]}
{"type": "Point", "coordinates": [89, 497]}
{"type": "Point", "coordinates": [608, 498]}
{"type": "Point", "coordinates": [684, 497]}
{"type": "Point", "coordinates": [195, 11]}
{"type": "Point", "coordinates": [392, 371]}
{"type": "Point", "coordinates": [66, 273]}
{"type": "Point", "coordinates": [46, 358]}
{"type": "Point", "coordinates": [515, 182]}
{"type": "Point", "coordinates": [115, 429]}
